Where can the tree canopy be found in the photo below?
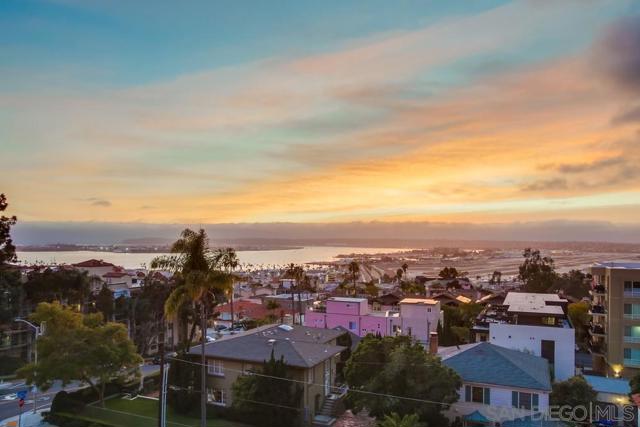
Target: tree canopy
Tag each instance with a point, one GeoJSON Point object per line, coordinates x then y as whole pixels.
{"type": "Point", "coordinates": [7, 248]}
{"type": "Point", "coordinates": [79, 347]}
{"type": "Point", "coordinates": [537, 272]}
{"type": "Point", "coordinates": [395, 366]}
{"type": "Point", "coordinates": [573, 392]}
{"type": "Point", "coordinates": [269, 398]}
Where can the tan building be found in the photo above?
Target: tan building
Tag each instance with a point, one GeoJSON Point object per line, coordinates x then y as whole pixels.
{"type": "Point", "coordinates": [615, 313]}
{"type": "Point", "coordinates": [311, 354]}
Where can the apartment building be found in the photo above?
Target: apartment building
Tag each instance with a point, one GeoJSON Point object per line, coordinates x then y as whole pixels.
{"type": "Point", "coordinates": [535, 323]}
{"type": "Point", "coordinates": [615, 314]}
{"type": "Point", "coordinates": [415, 317]}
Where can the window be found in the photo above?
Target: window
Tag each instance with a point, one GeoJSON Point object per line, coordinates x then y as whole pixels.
{"type": "Point", "coordinates": [551, 321]}
{"type": "Point", "coordinates": [477, 394]}
{"type": "Point", "coordinates": [428, 309]}
{"type": "Point", "coordinates": [627, 286]}
{"type": "Point", "coordinates": [216, 396]}
{"type": "Point", "coordinates": [352, 325]}
{"type": "Point", "coordinates": [215, 367]}
{"type": "Point", "coordinates": [524, 400]}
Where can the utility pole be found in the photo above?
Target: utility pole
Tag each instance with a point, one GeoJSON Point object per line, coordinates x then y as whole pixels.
{"type": "Point", "coordinates": [161, 400]}
{"type": "Point", "coordinates": [38, 331]}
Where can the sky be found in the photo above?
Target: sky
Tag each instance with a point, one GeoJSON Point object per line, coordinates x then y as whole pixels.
{"type": "Point", "coordinates": [333, 111]}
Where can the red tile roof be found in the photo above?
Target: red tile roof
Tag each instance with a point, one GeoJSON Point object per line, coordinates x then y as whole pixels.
{"type": "Point", "coordinates": [94, 263]}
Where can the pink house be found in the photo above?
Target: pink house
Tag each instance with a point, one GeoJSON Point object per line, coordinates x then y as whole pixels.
{"type": "Point", "coordinates": [417, 317]}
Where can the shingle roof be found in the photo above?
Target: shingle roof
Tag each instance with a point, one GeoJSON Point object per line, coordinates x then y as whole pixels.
{"type": "Point", "coordinates": [300, 346]}
{"type": "Point", "coordinates": [93, 263]}
{"type": "Point", "coordinates": [487, 363]}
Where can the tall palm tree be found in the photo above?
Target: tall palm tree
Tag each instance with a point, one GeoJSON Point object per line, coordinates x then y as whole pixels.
{"type": "Point", "coordinates": [228, 260]}
{"type": "Point", "coordinates": [354, 272]}
{"type": "Point", "coordinates": [295, 272]}
{"type": "Point", "coordinates": [404, 267]}
{"type": "Point", "coordinates": [201, 282]}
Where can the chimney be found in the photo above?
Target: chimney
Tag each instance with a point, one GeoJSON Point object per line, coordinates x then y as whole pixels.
{"type": "Point", "coordinates": [433, 343]}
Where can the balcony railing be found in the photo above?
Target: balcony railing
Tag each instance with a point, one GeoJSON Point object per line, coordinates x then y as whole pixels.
{"type": "Point", "coordinates": [632, 362]}
{"type": "Point", "coordinates": [598, 290]}
{"type": "Point", "coordinates": [631, 339]}
{"type": "Point", "coordinates": [595, 329]}
{"type": "Point", "coordinates": [598, 309]}
{"type": "Point", "coordinates": [632, 316]}
{"type": "Point", "coordinates": [635, 293]}
{"type": "Point", "coordinates": [597, 348]}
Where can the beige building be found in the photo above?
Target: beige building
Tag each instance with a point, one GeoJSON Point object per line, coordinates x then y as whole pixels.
{"type": "Point", "coordinates": [311, 354]}
{"type": "Point", "coordinates": [615, 313]}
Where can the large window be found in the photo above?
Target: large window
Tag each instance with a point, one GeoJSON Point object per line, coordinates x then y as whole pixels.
{"type": "Point", "coordinates": [524, 400]}
{"type": "Point", "coordinates": [215, 367]}
{"type": "Point", "coordinates": [477, 394]}
{"type": "Point", "coordinates": [216, 396]}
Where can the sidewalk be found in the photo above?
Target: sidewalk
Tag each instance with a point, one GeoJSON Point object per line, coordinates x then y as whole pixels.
{"type": "Point", "coordinates": [29, 419]}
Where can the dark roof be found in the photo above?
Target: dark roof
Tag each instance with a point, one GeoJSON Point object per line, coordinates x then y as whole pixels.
{"type": "Point", "coordinates": [300, 346]}
{"type": "Point", "coordinates": [487, 363]}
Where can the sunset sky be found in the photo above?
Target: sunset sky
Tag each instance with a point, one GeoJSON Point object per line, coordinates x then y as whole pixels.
{"type": "Point", "coordinates": [320, 111]}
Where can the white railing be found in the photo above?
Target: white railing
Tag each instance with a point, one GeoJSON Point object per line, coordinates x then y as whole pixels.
{"type": "Point", "coordinates": [632, 339]}
{"type": "Point", "coordinates": [633, 294]}
{"type": "Point", "coordinates": [632, 316]}
{"type": "Point", "coordinates": [632, 362]}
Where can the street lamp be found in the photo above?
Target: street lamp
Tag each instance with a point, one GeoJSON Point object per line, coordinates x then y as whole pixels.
{"type": "Point", "coordinates": [39, 330]}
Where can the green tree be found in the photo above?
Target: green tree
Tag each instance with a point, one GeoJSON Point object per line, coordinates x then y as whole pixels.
{"type": "Point", "coordinates": [450, 273]}
{"type": "Point", "coordinates": [404, 267]}
{"type": "Point", "coordinates": [202, 284]}
{"type": "Point", "coordinates": [354, 272]}
{"type": "Point", "coordinates": [496, 278]}
{"type": "Point", "coordinates": [573, 392]}
{"type": "Point", "coordinates": [537, 272]}
{"type": "Point", "coordinates": [268, 398]}
{"type": "Point", "coordinates": [634, 384]}
{"type": "Point", "coordinates": [399, 274]}
{"type": "Point", "coordinates": [7, 248]}
{"type": "Point", "coordinates": [296, 273]}
{"type": "Point", "coordinates": [272, 306]}
{"type": "Point", "coordinates": [80, 347]}
{"type": "Point", "coordinates": [578, 313]}
{"type": "Point", "coordinates": [105, 303]}
{"type": "Point", "coordinates": [395, 420]}
{"type": "Point", "coordinates": [228, 260]}
{"type": "Point", "coordinates": [395, 366]}
{"type": "Point", "coordinates": [574, 283]}
{"type": "Point", "coordinates": [67, 286]}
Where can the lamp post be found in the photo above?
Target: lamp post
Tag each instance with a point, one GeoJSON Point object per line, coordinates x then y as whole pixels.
{"type": "Point", "coordinates": [38, 331]}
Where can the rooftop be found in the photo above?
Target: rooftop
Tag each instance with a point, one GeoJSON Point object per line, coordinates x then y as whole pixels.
{"type": "Point", "coordinates": [608, 385]}
{"type": "Point", "coordinates": [523, 302]}
{"type": "Point", "coordinates": [486, 363]}
{"type": "Point", "coordinates": [347, 299]}
{"type": "Point", "coordinates": [626, 265]}
{"type": "Point", "coordinates": [424, 301]}
{"type": "Point", "coordinates": [300, 346]}
{"type": "Point", "coordinates": [94, 263]}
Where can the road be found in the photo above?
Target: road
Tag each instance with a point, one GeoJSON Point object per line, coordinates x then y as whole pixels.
{"type": "Point", "coordinates": [9, 401]}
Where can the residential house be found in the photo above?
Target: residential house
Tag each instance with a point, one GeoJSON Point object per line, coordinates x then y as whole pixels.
{"type": "Point", "coordinates": [416, 317]}
{"type": "Point", "coordinates": [537, 323]}
{"type": "Point", "coordinates": [310, 353]}
{"type": "Point", "coordinates": [498, 384]}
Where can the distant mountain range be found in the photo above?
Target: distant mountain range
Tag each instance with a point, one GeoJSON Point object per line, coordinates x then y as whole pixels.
{"type": "Point", "coordinates": [371, 234]}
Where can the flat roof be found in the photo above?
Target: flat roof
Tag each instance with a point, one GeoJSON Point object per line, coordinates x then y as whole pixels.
{"type": "Point", "coordinates": [525, 302]}
{"type": "Point", "coordinates": [626, 265]}
{"type": "Point", "coordinates": [347, 299]}
{"type": "Point", "coordinates": [425, 301]}
{"type": "Point", "coordinates": [608, 385]}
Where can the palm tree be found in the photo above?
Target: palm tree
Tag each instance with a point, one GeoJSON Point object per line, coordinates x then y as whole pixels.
{"type": "Point", "coordinates": [228, 260]}
{"type": "Point", "coordinates": [295, 272]}
{"type": "Point", "coordinates": [272, 306]}
{"type": "Point", "coordinates": [399, 275]}
{"type": "Point", "coordinates": [395, 420]}
{"type": "Point", "coordinates": [354, 271]}
{"type": "Point", "coordinates": [200, 283]}
{"type": "Point", "coordinates": [405, 267]}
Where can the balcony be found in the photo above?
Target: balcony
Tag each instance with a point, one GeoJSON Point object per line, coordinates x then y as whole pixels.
{"type": "Point", "coordinates": [633, 363]}
{"type": "Point", "coordinates": [632, 316]}
{"type": "Point", "coordinates": [596, 330]}
{"type": "Point", "coordinates": [597, 310]}
{"type": "Point", "coordinates": [632, 340]}
{"type": "Point", "coordinates": [598, 290]}
{"type": "Point", "coordinates": [631, 293]}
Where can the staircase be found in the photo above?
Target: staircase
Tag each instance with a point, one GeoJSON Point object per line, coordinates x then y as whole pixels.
{"type": "Point", "coordinates": [330, 408]}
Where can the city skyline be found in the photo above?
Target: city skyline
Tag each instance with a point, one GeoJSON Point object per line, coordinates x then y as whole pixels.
{"type": "Point", "coordinates": [491, 112]}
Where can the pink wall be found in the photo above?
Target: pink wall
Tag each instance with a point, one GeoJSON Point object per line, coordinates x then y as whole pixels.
{"type": "Point", "coordinates": [352, 307]}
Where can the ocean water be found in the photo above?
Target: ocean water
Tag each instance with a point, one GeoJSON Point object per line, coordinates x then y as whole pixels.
{"type": "Point", "coordinates": [257, 259]}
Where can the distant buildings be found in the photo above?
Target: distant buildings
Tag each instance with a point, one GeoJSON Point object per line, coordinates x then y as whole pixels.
{"type": "Point", "coordinates": [536, 323]}
{"type": "Point", "coordinates": [416, 317]}
{"type": "Point", "coordinates": [615, 313]}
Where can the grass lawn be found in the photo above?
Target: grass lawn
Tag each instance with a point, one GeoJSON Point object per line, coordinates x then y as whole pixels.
{"type": "Point", "coordinates": [142, 412]}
